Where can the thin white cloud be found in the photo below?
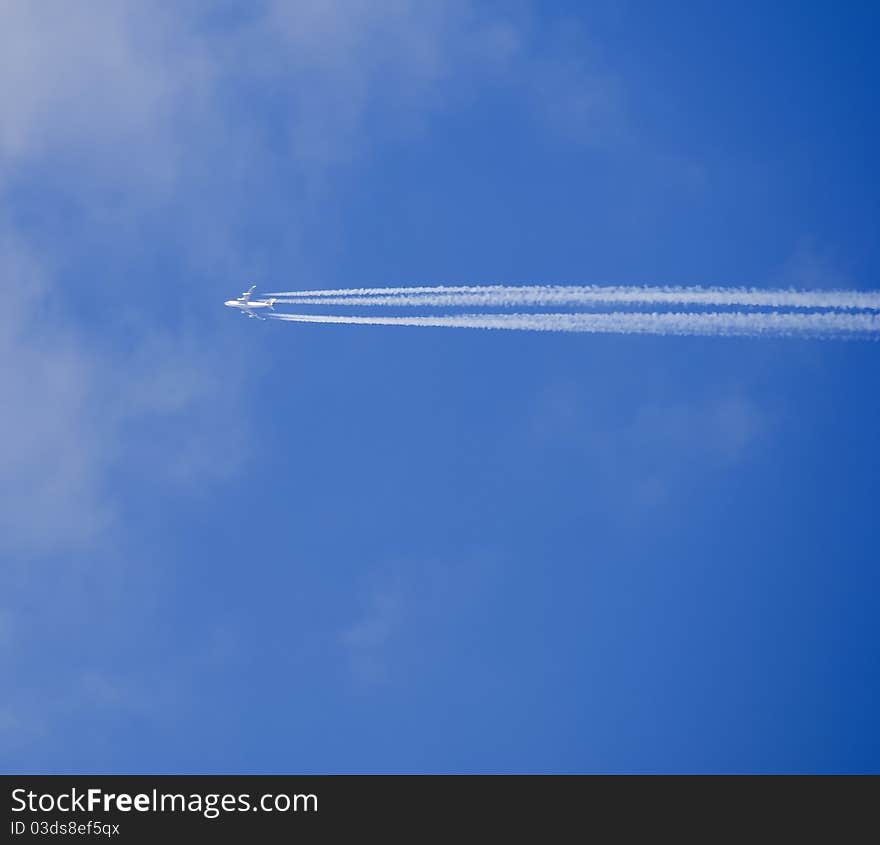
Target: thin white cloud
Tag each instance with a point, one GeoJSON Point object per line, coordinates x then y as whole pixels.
{"type": "Point", "coordinates": [108, 79]}
{"type": "Point", "coordinates": [50, 450]}
{"type": "Point", "coordinates": [647, 451]}
{"type": "Point", "coordinates": [73, 414]}
{"type": "Point", "coordinates": [368, 640]}
{"type": "Point", "coordinates": [107, 82]}
{"type": "Point", "coordinates": [414, 601]}
{"type": "Point", "coordinates": [715, 429]}
{"type": "Point", "coordinates": [810, 266]}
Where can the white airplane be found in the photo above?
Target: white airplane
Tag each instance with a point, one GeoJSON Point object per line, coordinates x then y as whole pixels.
{"type": "Point", "coordinates": [246, 305]}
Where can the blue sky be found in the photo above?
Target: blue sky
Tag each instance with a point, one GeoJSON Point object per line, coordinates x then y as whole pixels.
{"type": "Point", "coordinates": [235, 546]}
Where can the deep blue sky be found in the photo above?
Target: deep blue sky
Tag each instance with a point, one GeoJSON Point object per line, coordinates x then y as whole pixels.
{"type": "Point", "coordinates": [237, 546]}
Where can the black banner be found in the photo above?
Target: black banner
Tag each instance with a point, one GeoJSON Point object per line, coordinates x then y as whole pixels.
{"type": "Point", "coordinates": [251, 808]}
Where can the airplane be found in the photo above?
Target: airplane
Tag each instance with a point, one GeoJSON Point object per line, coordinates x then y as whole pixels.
{"type": "Point", "coordinates": [247, 306]}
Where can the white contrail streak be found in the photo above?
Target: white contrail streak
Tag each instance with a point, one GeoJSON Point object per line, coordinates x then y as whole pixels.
{"type": "Point", "coordinates": [543, 295]}
{"type": "Point", "coordinates": [776, 324]}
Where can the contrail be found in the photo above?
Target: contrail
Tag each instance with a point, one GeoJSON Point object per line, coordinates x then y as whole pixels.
{"type": "Point", "coordinates": [773, 324]}
{"type": "Point", "coordinates": [554, 295]}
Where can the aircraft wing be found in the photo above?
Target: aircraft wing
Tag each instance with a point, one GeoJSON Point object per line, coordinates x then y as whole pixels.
{"type": "Point", "coordinates": [247, 294]}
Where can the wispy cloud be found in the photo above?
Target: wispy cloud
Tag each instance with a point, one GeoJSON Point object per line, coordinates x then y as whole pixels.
{"type": "Point", "coordinates": [368, 639]}
{"type": "Point", "coordinates": [646, 451]}
{"type": "Point", "coordinates": [415, 601]}
{"type": "Point", "coordinates": [50, 451]}
{"type": "Point", "coordinates": [72, 416]}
